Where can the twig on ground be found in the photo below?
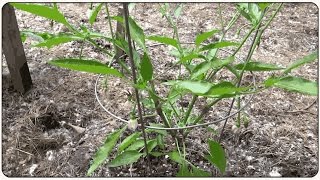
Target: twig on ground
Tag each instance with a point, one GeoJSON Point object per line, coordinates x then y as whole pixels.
{"type": "Point", "coordinates": [24, 152]}
{"type": "Point", "coordinates": [304, 109]}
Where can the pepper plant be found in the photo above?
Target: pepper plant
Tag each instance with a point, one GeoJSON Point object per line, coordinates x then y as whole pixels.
{"type": "Point", "coordinates": [202, 63]}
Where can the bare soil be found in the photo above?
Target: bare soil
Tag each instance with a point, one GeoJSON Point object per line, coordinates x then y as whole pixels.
{"type": "Point", "coordinates": [282, 136]}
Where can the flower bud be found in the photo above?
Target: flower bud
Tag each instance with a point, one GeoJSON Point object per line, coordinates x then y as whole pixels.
{"type": "Point", "coordinates": [133, 124]}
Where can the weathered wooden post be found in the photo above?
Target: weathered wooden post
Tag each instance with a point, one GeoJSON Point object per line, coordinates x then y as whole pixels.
{"type": "Point", "coordinates": [14, 52]}
{"type": "Point", "coordinates": [120, 34]}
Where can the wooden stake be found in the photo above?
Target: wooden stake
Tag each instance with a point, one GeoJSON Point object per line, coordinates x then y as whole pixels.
{"type": "Point", "coordinates": [14, 52]}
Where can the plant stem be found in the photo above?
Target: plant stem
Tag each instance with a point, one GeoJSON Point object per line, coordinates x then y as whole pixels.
{"type": "Point", "coordinates": [258, 41]}
{"type": "Point", "coordinates": [190, 106]}
{"type": "Point", "coordinates": [220, 16]}
{"type": "Point", "coordinates": [133, 68]}
{"type": "Point", "coordinates": [158, 107]}
{"type": "Point", "coordinates": [234, 53]}
{"type": "Point", "coordinates": [184, 146]}
{"type": "Point", "coordinates": [232, 21]}
{"type": "Point", "coordinates": [239, 114]}
{"type": "Point", "coordinates": [175, 31]}
{"type": "Point", "coordinates": [272, 17]}
{"type": "Point", "coordinates": [243, 41]}
{"type": "Point", "coordinates": [254, 43]}
{"type": "Point", "coordinates": [160, 111]}
{"type": "Point", "coordinates": [204, 111]}
{"type": "Point", "coordinates": [109, 22]}
{"type": "Point", "coordinates": [81, 49]}
{"type": "Point", "coordinates": [224, 32]}
{"type": "Point", "coordinates": [175, 111]}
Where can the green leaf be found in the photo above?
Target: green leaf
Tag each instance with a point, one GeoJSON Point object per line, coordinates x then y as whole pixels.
{"type": "Point", "coordinates": [196, 87]}
{"type": "Point", "coordinates": [160, 141]}
{"type": "Point", "coordinates": [46, 35]}
{"type": "Point", "coordinates": [217, 156]}
{"type": "Point", "coordinates": [184, 171]}
{"type": "Point", "coordinates": [43, 11]}
{"type": "Point", "coordinates": [139, 144]}
{"type": "Point", "coordinates": [94, 35]}
{"type": "Point", "coordinates": [57, 40]}
{"type": "Point", "coordinates": [200, 69]}
{"type": "Point", "coordinates": [157, 154]}
{"type": "Point", "coordinates": [171, 82]}
{"type": "Point", "coordinates": [174, 94]}
{"type": "Point", "coordinates": [125, 158]}
{"type": "Point", "coordinates": [165, 40]}
{"type": "Point", "coordinates": [196, 172]}
{"type": "Point", "coordinates": [174, 52]}
{"type": "Point", "coordinates": [243, 8]}
{"type": "Point", "coordinates": [258, 66]}
{"type": "Point", "coordinates": [142, 85]}
{"type": "Point", "coordinates": [296, 84]}
{"type": "Point", "coordinates": [136, 145]}
{"type": "Point", "coordinates": [177, 11]}
{"type": "Point", "coordinates": [204, 36]}
{"type": "Point", "coordinates": [35, 35]}
{"type": "Point", "coordinates": [175, 156]}
{"type": "Point", "coordinates": [271, 81]}
{"type": "Point", "coordinates": [211, 53]}
{"type": "Point", "coordinates": [263, 5]}
{"type": "Point", "coordinates": [307, 59]}
{"type": "Point", "coordinates": [23, 37]}
{"type": "Point", "coordinates": [118, 18]}
{"type": "Point", "coordinates": [224, 89]}
{"type": "Point", "coordinates": [131, 6]}
{"type": "Point", "coordinates": [233, 70]}
{"type": "Point", "coordinates": [254, 12]}
{"type": "Point", "coordinates": [148, 103]}
{"type": "Point", "coordinates": [137, 34]}
{"type": "Point", "coordinates": [218, 45]}
{"type": "Point", "coordinates": [192, 56]}
{"type": "Point", "coordinates": [151, 145]}
{"type": "Point", "coordinates": [104, 151]}
{"type": "Point", "coordinates": [146, 70]}
{"type": "Point", "coordinates": [91, 66]}
{"type": "Point", "coordinates": [128, 140]}
{"type": "Point", "coordinates": [205, 66]}
{"type": "Point", "coordinates": [94, 14]}
{"type": "Point", "coordinates": [122, 44]}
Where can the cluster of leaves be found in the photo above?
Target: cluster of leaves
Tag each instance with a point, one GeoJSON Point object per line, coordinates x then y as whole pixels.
{"type": "Point", "coordinates": [198, 83]}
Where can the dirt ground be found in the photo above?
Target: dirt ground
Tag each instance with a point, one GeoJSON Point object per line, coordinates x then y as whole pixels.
{"type": "Point", "coordinates": [281, 139]}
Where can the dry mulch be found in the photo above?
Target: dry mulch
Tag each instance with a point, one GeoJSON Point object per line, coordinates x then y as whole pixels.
{"type": "Point", "coordinates": [279, 139]}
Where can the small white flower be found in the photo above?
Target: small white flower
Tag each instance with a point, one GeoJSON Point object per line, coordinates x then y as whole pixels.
{"type": "Point", "coordinates": [133, 124]}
